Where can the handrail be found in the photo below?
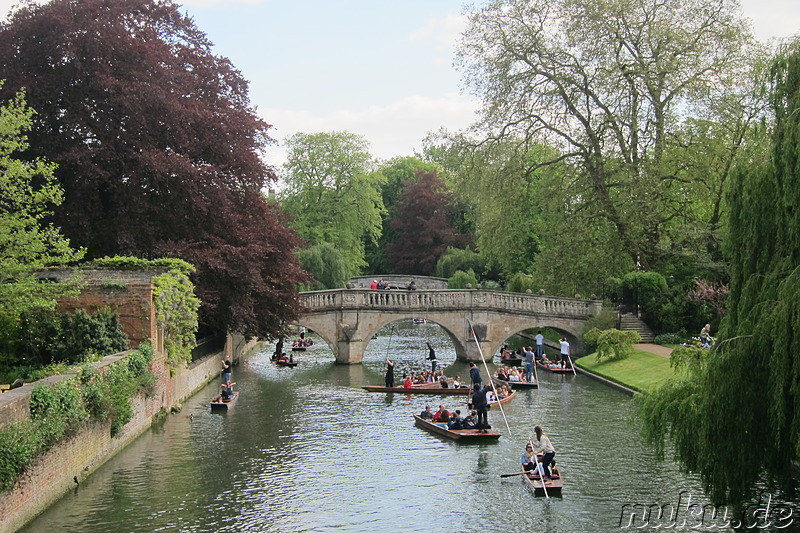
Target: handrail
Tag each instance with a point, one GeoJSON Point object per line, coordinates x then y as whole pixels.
{"type": "Point", "coordinates": [446, 299]}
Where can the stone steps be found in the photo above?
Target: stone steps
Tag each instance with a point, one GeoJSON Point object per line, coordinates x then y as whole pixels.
{"type": "Point", "coordinates": [633, 323]}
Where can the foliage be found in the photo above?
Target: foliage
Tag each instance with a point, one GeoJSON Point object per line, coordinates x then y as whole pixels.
{"type": "Point", "coordinates": [605, 320]}
{"type": "Point", "coordinates": [521, 282]}
{"type": "Point", "coordinates": [327, 264]}
{"type": "Point", "coordinates": [461, 280]}
{"type": "Point", "coordinates": [119, 262]}
{"type": "Point", "coordinates": [455, 259]}
{"type": "Point", "coordinates": [642, 109]}
{"type": "Point", "coordinates": [333, 193]}
{"type": "Point", "coordinates": [167, 169]}
{"type": "Point", "coordinates": [398, 172]}
{"type": "Point", "coordinates": [423, 224]}
{"type": "Point", "coordinates": [749, 380]}
{"type": "Point", "coordinates": [665, 339]}
{"type": "Point", "coordinates": [176, 313]}
{"type": "Point", "coordinates": [612, 344]}
{"type": "Point", "coordinates": [715, 295]}
{"type": "Point", "coordinates": [46, 337]}
{"type": "Point", "coordinates": [28, 243]}
{"type": "Point", "coordinates": [61, 410]}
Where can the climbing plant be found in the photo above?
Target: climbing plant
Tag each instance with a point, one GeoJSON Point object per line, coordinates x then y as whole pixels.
{"type": "Point", "coordinates": [176, 313]}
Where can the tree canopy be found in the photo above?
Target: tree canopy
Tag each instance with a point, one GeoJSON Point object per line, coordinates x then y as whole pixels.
{"type": "Point", "coordinates": [28, 192]}
{"type": "Point", "coordinates": [423, 225]}
{"type": "Point", "coordinates": [643, 105]}
{"type": "Point", "coordinates": [158, 150]}
{"type": "Point", "coordinates": [737, 413]}
{"type": "Point", "coordinates": [334, 193]}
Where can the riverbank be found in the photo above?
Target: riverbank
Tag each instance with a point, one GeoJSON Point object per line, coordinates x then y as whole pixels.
{"type": "Point", "coordinates": [647, 368]}
{"type": "Point", "coordinates": [72, 460]}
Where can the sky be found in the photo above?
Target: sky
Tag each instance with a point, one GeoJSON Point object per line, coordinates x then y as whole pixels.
{"type": "Point", "coordinates": [382, 69]}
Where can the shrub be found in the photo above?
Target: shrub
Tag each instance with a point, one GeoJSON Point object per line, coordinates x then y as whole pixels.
{"type": "Point", "coordinates": [606, 319]}
{"type": "Point", "coordinates": [455, 259]}
{"type": "Point", "coordinates": [613, 344]}
{"type": "Point", "coordinates": [669, 338]}
{"type": "Point", "coordinates": [461, 279]}
{"type": "Point", "coordinates": [520, 282]}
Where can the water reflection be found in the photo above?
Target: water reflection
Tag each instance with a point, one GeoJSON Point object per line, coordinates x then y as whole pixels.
{"type": "Point", "coordinates": [306, 449]}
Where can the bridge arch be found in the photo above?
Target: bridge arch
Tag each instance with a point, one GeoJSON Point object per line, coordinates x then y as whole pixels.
{"type": "Point", "coordinates": [347, 319]}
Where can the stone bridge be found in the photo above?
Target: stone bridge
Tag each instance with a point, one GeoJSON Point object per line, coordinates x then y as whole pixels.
{"type": "Point", "coordinates": [347, 319]}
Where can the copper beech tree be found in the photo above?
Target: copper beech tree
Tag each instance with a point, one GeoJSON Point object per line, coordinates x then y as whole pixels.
{"type": "Point", "coordinates": [158, 150]}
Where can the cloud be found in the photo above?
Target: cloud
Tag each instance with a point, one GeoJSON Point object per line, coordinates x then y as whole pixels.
{"type": "Point", "coordinates": [210, 3]}
{"type": "Point", "coordinates": [394, 129]}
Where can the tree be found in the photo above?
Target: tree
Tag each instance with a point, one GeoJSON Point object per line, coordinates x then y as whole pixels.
{"type": "Point", "coordinates": [333, 193]}
{"type": "Point", "coordinates": [398, 173]}
{"type": "Point", "coordinates": [423, 226]}
{"type": "Point", "coordinates": [625, 92]}
{"type": "Point", "coordinates": [745, 390]}
{"type": "Point", "coordinates": [158, 150]}
{"type": "Point", "coordinates": [28, 191]}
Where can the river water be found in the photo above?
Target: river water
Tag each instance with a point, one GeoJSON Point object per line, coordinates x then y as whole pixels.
{"type": "Point", "coordinates": [307, 450]}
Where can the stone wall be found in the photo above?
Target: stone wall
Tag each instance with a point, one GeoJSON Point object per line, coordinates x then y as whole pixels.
{"type": "Point", "coordinates": [54, 474]}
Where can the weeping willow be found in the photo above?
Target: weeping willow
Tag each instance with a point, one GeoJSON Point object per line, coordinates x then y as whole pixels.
{"type": "Point", "coordinates": [735, 417]}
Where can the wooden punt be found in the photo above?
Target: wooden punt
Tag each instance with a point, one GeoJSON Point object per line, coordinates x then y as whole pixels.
{"type": "Point", "coordinates": [456, 434]}
{"type": "Point", "coordinates": [553, 486]}
{"type": "Point", "coordinates": [290, 364]}
{"type": "Point", "coordinates": [299, 348]}
{"type": "Point", "coordinates": [517, 384]}
{"type": "Point", "coordinates": [423, 388]}
{"type": "Point", "coordinates": [512, 361]}
{"type": "Point", "coordinates": [503, 401]}
{"type": "Point", "coordinates": [554, 368]}
{"type": "Point", "coordinates": [218, 404]}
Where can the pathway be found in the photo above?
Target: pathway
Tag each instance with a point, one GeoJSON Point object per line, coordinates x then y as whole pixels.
{"type": "Point", "coordinates": [657, 349]}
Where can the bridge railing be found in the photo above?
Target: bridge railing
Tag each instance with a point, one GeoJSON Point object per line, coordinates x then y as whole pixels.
{"type": "Point", "coordinates": [432, 300]}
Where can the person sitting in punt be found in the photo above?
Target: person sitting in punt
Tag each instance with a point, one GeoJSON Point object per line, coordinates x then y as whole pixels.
{"type": "Point", "coordinates": [513, 375]}
{"type": "Point", "coordinates": [469, 421]}
{"type": "Point", "coordinates": [438, 414]}
{"type": "Point", "coordinates": [445, 417]}
{"type": "Point", "coordinates": [456, 422]}
{"type": "Point", "coordinates": [457, 382]}
{"type": "Point", "coordinates": [426, 413]}
{"type": "Point", "coordinates": [225, 392]}
{"type": "Point", "coordinates": [502, 374]}
{"type": "Point", "coordinates": [407, 383]}
{"type": "Point", "coordinates": [528, 458]}
{"type": "Point", "coordinates": [443, 383]}
{"type": "Point", "coordinates": [491, 396]}
{"type": "Point", "coordinates": [505, 353]}
{"type": "Point", "coordinates": [283, 358]}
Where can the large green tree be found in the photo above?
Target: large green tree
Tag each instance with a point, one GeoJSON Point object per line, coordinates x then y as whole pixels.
{"type": "Point", "coordinates": [28, 193]}
{"type": "Point", "coordinates": [333, 191]}
{"type": "Point", "coordinates": [158, 150]}
{"type": "Point", "coordinates": [625, 92]}
{"type": "Point", "coordinates": [735, 419]}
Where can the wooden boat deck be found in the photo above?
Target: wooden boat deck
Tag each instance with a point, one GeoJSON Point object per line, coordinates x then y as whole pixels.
{"type": "Point", "coordinates": [423, 388]}
{"type": "Point", "coordinates": [554, 368]}
{"type": "Point", "coordinates": [517, 384]}
{"type": "Point", "coordinates": [456, 434]}
{"type": "Point", "coordinates": [553, 486]}
{"type": "Point", "coordinates": [224, 405]}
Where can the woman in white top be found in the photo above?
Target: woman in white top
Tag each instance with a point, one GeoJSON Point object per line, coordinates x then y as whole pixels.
{"type": "Point", "coordinates": [542, 444]}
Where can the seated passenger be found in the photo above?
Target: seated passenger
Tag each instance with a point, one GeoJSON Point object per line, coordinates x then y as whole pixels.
{"type": "Point", "coordinates": [438, 414]}
{"type": "Point", "coordinates": [456, 422]}
{"type": "Point", "coordinates": [407, 383]}
{"type": "Point", "coordinates": [469, 421]}
{"type": "Point", "coordinates": [457, 382]}
{"type": "Point", "coordinates": [445, 417]}
{"type": "Point", "coordinates": [426, 413]}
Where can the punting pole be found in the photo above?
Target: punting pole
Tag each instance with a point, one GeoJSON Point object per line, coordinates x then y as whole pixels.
{"type": "Point", "coordinates": [489, 375]}
{"type": "Point", "coordinates": [572, 365]}
{"type": "Point", "coordinates": [541, 471]}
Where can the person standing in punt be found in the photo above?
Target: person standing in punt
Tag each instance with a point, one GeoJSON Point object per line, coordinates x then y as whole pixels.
{"type": "Point", "coordinates": [528, 364]}
{"type": "Point", "coordinates": [389, 373]}
{"type": "Point", "coordinates": [481, 406]}
{"type": "Point", "coordinates": [475, 375]}
{"type": "Point", "coordinates": [226, 369]}
{"type": "Point", "coordinates": [539, 345]}
{"type": "Point", "coordinates": [542, 444]}
{"type": "Point", "coordinates": [565, 362]}
{"type": "Point", "coordinates": [431, 356]}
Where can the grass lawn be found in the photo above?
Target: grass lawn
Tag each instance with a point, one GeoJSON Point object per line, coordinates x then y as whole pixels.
{"type": "Point", "coordinates": [641, 371]}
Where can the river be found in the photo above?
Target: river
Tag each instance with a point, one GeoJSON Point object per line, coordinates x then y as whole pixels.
{"type": "Point", "coordinates": [307, 450]}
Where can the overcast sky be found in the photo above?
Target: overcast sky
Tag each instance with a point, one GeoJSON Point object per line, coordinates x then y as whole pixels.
{"type": "Point", "coordinates": [378, 68]}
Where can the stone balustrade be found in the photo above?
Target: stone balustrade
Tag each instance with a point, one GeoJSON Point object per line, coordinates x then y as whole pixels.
{"type": "Point", "coordinates": [420, 301]}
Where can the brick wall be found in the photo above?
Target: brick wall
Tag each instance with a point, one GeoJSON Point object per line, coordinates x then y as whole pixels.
{"type": "Point", "coordinates": [52, 475]}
